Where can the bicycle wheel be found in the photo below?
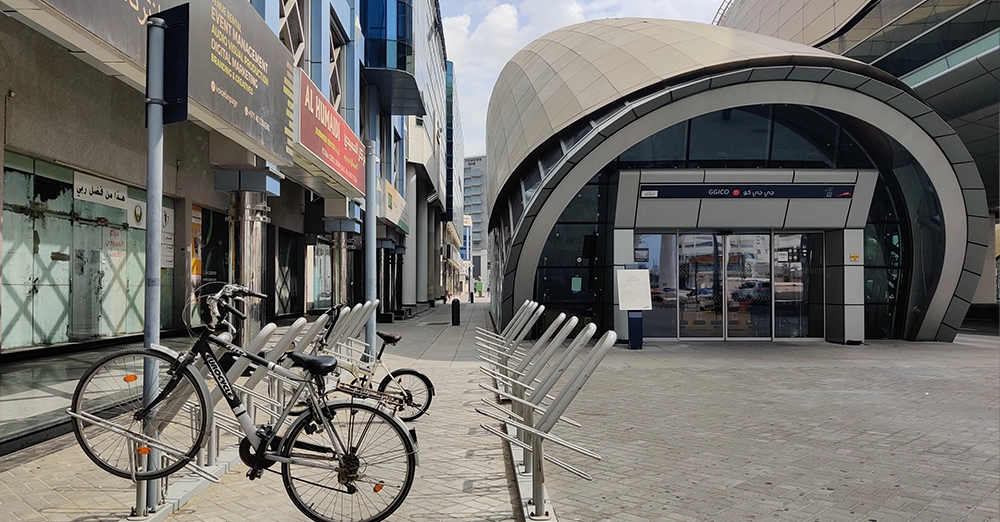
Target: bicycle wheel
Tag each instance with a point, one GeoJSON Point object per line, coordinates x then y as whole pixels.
{"type": "Point", "coordinates": [415, 388]}
{"type": "Point", "coordinates": [110, 394]}
{"type": "Point", "coordinates": [367, 483]}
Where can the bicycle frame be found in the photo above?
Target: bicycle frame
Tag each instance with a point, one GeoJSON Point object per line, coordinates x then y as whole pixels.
{"type": "Point", "coordinates": [203, 348]}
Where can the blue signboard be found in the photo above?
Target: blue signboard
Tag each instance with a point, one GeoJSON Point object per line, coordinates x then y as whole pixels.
{"type": "Point", "coordinates": [746, 191]}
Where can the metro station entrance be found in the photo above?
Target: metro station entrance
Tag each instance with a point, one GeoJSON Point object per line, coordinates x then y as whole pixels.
{"type": "Point", "coordinates": [752, 285]}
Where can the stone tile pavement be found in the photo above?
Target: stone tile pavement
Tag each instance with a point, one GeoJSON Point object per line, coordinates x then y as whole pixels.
{"type": "Point", "coordinates": [789, 431]}
{"type": "Point", "coordinates": [461, 474]}
{"type": "Point", "coordinates": [688, 431]}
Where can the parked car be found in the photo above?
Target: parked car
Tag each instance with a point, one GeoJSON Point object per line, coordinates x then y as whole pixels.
{"type": "Point", "coordinates": [705, 298]}
{"type": "Point", "coordinates": [753, 291]}
{"type": "Point", "coordinates": [660, 294]}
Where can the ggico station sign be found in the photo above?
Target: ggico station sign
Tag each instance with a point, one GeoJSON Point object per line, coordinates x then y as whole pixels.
{"type": "Point", "coordinates": [240, 76]}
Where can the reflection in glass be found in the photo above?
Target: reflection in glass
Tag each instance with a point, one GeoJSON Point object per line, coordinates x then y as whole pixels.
{"type": "Point", "coordinates": [880, 15]}
{"type": "Point", "coordinates": [748, 285]}
{"type": "Point", "coordinates": [798, 285]}
{"type": "Point", "coordinates": [666, 148]}
{"type": "Point", "coordinates": [730, 138]}
{"type": "Point", "coordinates": [883, 245]}
{"type": "Point", "coordinates": [803, 138]}
{"type": "Point", "coordinates": [699, 260]}
{"type": "Point", "coordinates": [658, 253]}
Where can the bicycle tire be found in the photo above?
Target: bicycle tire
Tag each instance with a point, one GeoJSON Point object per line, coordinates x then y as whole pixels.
{"type": "Point", "coordinates": [112, 388]}
{"type": "Point", "coordinates": [416, 389]}
{"type": "Point", "coordinates": [383, 457]}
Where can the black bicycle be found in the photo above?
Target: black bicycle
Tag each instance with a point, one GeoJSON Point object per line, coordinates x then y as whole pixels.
{"type": "Point", "coordinates": [341, 460]}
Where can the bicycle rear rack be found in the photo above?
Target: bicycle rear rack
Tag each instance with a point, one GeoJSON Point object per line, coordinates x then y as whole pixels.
{"type": "Point", "coordinates": [524, 378]}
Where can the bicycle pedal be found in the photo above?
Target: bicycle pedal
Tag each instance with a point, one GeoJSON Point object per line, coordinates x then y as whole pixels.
{"type": "Point", "coordinates": [254, 473]}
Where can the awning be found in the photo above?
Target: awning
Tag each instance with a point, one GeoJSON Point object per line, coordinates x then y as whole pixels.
{"type": "Point", "coordinates": [399, 92]}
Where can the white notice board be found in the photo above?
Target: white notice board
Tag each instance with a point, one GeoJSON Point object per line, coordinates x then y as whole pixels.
{"type": "Point", "coordinates": [633, 289]}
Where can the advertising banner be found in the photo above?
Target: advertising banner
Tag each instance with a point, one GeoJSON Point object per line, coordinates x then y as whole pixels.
{"type": "Point", "coordinates": [325, 139]}
{"type": "Point", "coordinates": [394, 207]}
{"type": "Point", "coordinates": [239, 70]}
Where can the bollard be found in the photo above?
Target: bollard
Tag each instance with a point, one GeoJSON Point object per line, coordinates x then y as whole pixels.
{"type": "Point", "coordinates": [455, 312]}
{"type": "Point", "coordinates": [472, 297]}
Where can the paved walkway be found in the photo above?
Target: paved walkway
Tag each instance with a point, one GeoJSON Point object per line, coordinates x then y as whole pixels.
{"type": "Point", "coordinates": [461, 474]}
{"type": "Point", "coordinates": [790, 430]}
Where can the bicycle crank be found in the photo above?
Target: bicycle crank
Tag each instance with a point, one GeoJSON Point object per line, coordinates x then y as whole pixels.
{"type": "Point", "coordinates": [249, 457]}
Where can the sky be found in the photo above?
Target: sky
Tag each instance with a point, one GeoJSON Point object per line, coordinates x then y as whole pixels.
{"type": "Point", "coordinates": [482, 35]}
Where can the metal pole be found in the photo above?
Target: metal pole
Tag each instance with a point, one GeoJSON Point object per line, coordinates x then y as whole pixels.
{"type": "Point", "coordinates": [537, 478]}
{"type": "Point", "coordinates": [154, 213]}
{"type": "Point", "coordinates": [141, 490]}
{"type": "Point", "coordinates": [371, 215]}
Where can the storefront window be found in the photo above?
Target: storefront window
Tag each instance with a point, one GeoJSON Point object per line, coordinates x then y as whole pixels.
{"type": "Point", "coordinates": [73, 267]}
{"type": "Point", "coordinates": [320, 282]}
{"type": "Point", "coordinates": [287, 293]}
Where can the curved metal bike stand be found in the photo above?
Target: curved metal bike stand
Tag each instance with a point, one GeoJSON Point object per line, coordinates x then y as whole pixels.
{"type": "Point", "coordinates": [517, 377]}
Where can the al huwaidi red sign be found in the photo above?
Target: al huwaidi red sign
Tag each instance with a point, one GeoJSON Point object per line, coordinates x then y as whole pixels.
{"type": "Point", "coordinates": [324, 134]}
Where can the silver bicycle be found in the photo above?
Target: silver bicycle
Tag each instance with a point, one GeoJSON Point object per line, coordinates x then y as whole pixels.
{"type": "Point", "coordinates": [341, 460]}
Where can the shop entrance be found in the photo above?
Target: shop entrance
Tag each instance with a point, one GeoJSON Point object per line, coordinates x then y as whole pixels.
{"type": "Point", "coordinates": [753, 285]}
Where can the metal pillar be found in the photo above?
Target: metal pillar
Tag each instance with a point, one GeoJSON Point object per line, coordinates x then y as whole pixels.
{"type": "Point", "coordinates": [382, 262]}
{"type": "Point", "coordinates": [338, 255]}
{"type": "Point", "coordinates": [436, 274]}
{"type": "Point", "coordinates": [248, 215]}
{"type": "Point", "coordinates": [154, 207]}
{"type": "Point", "coordinates": [371, 241]}
{"type": "Point", "coordinates": [409, 260]}
{"type": "Point", "coordinates": [423, 236]}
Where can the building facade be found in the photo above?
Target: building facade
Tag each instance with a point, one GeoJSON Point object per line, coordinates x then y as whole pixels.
{"type": "Point", "coordinates": [424, 264]}
{"type": "Point", "coordinates": [475, 207]}
{"type": "Point", "coordinates": [948, 52]}
{"type": "Point", "coordinates": [456, 275]}
{"type": "Point", "coordinates": [263, 185]}
{"type": "Point", "coordinates": [768, 188]}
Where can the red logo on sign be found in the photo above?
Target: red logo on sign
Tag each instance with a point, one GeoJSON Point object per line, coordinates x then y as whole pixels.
{"type": "Point", "coordinates": [736, 192]}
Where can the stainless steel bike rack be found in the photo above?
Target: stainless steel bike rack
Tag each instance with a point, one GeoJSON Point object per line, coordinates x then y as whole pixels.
{"type": "Point", "coordinates": [527, 384]}
{"type": "Point", "coordinates": [254, 400]}
{"type": "Point", "coordinates": [498, 350]}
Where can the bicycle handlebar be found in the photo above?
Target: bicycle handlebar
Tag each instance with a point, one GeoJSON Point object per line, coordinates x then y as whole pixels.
{"type": "Point", "coordinates": [221, 299]}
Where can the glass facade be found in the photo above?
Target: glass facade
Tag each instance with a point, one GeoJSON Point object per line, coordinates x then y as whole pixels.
{"type": "Point", "coordinates": [388, 29]}
{"type": "Point", "coordinates": [735, 286]}
{"type": "Point", "coordinates": [766, 284]}
{"type": "Point", "coordinates": [73, 269]}
{"type": "Point", "coordinates": [573, 271]}
{"type": "Point", "coordinates": [765, 136]}
{"type": "Point", "coordinates": [900, 36]}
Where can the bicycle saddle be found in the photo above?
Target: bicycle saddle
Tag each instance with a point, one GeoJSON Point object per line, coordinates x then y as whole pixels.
{"type": "Point", "coordinates": [318, 365]}
{"type": "Point", "coordinates": [389, 338]}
